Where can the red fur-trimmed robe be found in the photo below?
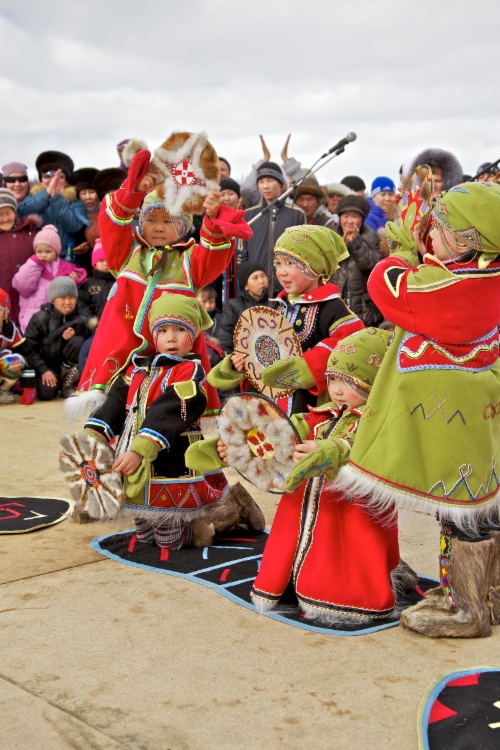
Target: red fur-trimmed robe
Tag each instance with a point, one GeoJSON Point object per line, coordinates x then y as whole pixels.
{"type": "Point", "coordinates": [337, 556]}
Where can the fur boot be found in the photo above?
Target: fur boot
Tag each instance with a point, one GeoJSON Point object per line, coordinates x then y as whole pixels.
{"type": "Point", "coordinates": [403, 578]}
{"type": "Point", "coordinates": [469, 602]}
{"type": "Point", "coordinates": [69, 380]}
{"type": "Point", "coordinates": [202, 532]}
{"type": "Point", "coordinates": [6, 385]}
{"type": "Point", "coordinates": [237, 508]}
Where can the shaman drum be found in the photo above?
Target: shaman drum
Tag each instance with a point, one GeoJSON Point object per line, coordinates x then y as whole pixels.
{"type": "Point", "coordinates": [263, 336]}
{"type": "Point", "coordinates": [87, 468]}
{"type": "Point", "coordinates": [260, 440]}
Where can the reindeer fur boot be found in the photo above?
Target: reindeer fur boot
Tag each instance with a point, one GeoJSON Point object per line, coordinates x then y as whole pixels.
{"type": "Point", "coordinates": [202, 532]}
{"type": "Point", "coordinates": [469, 602]}
{"type": "Point", "coordinates": [237, 508]}
{"type": "Point", "coordinates": [403, 578]}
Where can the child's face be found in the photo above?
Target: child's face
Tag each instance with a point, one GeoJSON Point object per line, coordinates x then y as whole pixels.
{"type": "Point", "coordinates": [158, 229]}
{"type": "Point", "coordinates": [101, 265]}
{"type": "Point", "coordinates": [7, 218]}
{"type": "Point", "coordinates": [46, 253]}
{"type": "Point", "coordinates": [291, 279]}
{"type": "Point", "coordinates": [256, 284]}
{"type": "Point", "coordinates": [174, 340]}
{"type": "Point", "coordinates": [65, 304]}
{"type": "Point", "coordinates": [207, 301]}
{"type": "Point", "coordinates": [342, 394]}
{"type": "Point", "coordinates": [437, 176]}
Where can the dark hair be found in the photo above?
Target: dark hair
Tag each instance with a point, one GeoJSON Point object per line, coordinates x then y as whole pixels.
{"type": "Point", "coordinates": [221, 158]}
{"type": "Point", "coordinates": [209, 290]}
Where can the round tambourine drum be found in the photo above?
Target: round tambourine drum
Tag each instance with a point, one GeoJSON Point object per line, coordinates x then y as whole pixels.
{"type": "Point", "coordinates": [87, 468]}
{"type": "Point", "coordinates": [263, 336]}
{"type": "Point", "coordinates": [260, 440]}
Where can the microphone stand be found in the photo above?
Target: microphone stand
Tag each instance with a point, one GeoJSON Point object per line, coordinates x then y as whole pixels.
{"type": "Point", "coordinates": [311, 171]}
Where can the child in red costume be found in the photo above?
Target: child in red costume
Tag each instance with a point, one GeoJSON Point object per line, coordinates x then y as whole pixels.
{"type": "Point", "coordinates": [337, 556]}
{"type": "Point", "coordinates": [152, 259]}
{"type": "Point", "coordinates": [305, 257]}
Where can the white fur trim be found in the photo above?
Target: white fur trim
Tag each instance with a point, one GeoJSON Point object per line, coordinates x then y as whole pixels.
{"type": "Point", "coordinates": [381, 499]}
{"type": "Point", "coordinates": [82, 405]}
{"type": "Point", "coordinates": [327, 617]}
{"type": "Point", "coordinates": [176, 196]}
{"type": "Point", "coordinates": [262, 605]}
{"type": "Point", "coordinates": [131, 149]}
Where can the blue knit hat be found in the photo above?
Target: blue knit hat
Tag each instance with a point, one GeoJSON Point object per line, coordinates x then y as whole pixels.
{"type": "Point", "coordinates": [382, 185]}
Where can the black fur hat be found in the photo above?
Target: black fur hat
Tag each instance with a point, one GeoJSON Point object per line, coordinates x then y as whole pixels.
{"type": "Point", "coordinates": [445, 161]}
{"type": "Point", "coordinates": [83, 179]}
{"type": "Point", "coordinates": [108, 180]}
{"type": "Point", "coordinates": [49, 161]}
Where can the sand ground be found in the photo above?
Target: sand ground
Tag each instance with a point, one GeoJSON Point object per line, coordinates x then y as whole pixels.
{"type": "Point", "coordinates": [95, 654]}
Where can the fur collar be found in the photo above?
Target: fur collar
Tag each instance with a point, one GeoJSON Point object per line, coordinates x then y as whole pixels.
{"type": "Point", "coordinates": [69, 192]}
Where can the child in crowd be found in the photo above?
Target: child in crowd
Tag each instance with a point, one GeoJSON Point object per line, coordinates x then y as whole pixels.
{"type": "Point", "coordinates": [153, 259]}
{"type": "Point", "coordinates": [99, 285]}
{"type": "Point", "coordinates": [56, 334]}
{"type": "Point", "coordinates": [155, 408]}
{"type": "Point", "coordinates": [16, 245]}
{"type": "Point", "coordinates": [317, 534]}
{"type": "Point", "coordinates": [207, 296]}
{"type": "Point", "coordinates": [33, 278]}
{"type": "Point", "coordinates": [305, 257]}
{"type": "Point", "coordinates": [16, 358]}
{"type": "Point", "coordinates": [253, 282]}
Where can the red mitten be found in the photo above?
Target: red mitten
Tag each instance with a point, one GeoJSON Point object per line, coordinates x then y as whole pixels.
{"type": "Point", "coordinates": [229, 222]}
{"type": "Point", "coordinates": [137, 170]}
{"type": "Point", "coordinates": [29, 395]}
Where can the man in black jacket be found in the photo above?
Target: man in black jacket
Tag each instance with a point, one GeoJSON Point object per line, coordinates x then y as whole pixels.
{"type": "Point", "coordinates": [266, 230]}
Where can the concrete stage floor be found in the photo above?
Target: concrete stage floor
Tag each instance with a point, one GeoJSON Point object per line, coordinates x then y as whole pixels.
{"type": "Point", "coordinates": [95, 654]}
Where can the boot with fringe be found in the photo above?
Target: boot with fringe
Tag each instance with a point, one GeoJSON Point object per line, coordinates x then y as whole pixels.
{"type": "Point", "coordinates": [69, 380]}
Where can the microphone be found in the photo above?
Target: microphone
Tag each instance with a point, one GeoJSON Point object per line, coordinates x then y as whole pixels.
{"type": "Point", "coordinates": [350, 137]}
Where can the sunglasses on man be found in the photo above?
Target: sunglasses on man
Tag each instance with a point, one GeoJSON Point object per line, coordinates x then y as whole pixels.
{"type": "Point", "coordinates": [18, 178]}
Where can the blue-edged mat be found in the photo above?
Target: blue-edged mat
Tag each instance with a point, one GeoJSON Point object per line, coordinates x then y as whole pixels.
{"type": "Point", "coordinates": [230, 566]}
{"type": "Point", "coordinates": [461, 711]}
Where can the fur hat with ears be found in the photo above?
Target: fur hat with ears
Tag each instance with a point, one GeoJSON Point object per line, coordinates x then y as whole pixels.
{"type": "Point", "coordinates": [108, 180]}
{"type": "Point", "coordinates": [443, 160]}
{"type": "Point", "coordinates": [189, 168]}
{"type": "Point", "coordinates": [310, 186]}
{"type": "Point", "coordinates": [49, 161]}
{"type": "Point", "coordinates": [133, 146]}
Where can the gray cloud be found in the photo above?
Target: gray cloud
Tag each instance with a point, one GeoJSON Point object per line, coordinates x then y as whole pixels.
{"type": "Point", "coordinates": [81, 76]}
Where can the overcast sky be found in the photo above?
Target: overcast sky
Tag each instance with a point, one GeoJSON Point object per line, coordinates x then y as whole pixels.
{"type": "Point", "coordinates": [81, 76]}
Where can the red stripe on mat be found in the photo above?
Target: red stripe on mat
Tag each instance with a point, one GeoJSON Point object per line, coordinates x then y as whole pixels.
{"type": "Point", "coordinates": [132, 542]}
{"type": "Point", "coordinates": [224, 575]}
{"type": "Point", "coordinates": [164, 554]}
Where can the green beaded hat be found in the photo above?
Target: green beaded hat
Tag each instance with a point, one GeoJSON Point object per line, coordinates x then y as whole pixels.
{"type": "Point", "coordinates": [176, 309]}
{"type": "Point", "coordinates": [316, 251]}
{"type": "Point", "coordinates": [357, 358]}
{"type": "Point", "coordinates": [470, 213]}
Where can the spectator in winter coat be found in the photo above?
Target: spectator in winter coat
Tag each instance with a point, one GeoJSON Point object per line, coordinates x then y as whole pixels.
{"type": "Point", "coordinates": [33, 278]}
{"type": "Point", "coordinates": [259, 249]}
{"type": "Point", "coordinates": [381, 202]}
{"type": "Point", "coordinates": [363, 245]}
{"type": "Point", "coordinates": [290, 167]}
{"type": "Point", "coordinates": [54, 200]}
{"type": "Point", "coordinates": [16, 245]}
{"type": "Point", "coordinates": [253, 282]}
{"type": "Point", "coordinates": [446, 169]}
{"type": "Point", "coordinates": [15, 178]}
{"type": "Point", "coordinates": [87, 194]}
{"type": "Point", "coordinates": [94, 294]}
{"type": "Point", "coordinates": [311, 198]}
{"type": "Point", "coordinates": [56, 334]}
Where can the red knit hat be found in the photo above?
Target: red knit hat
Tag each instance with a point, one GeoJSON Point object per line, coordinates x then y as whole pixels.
{"type": "Point", "coordinates": [97, 252]}
{"type": "Point", "coordinates": [48, 236]}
